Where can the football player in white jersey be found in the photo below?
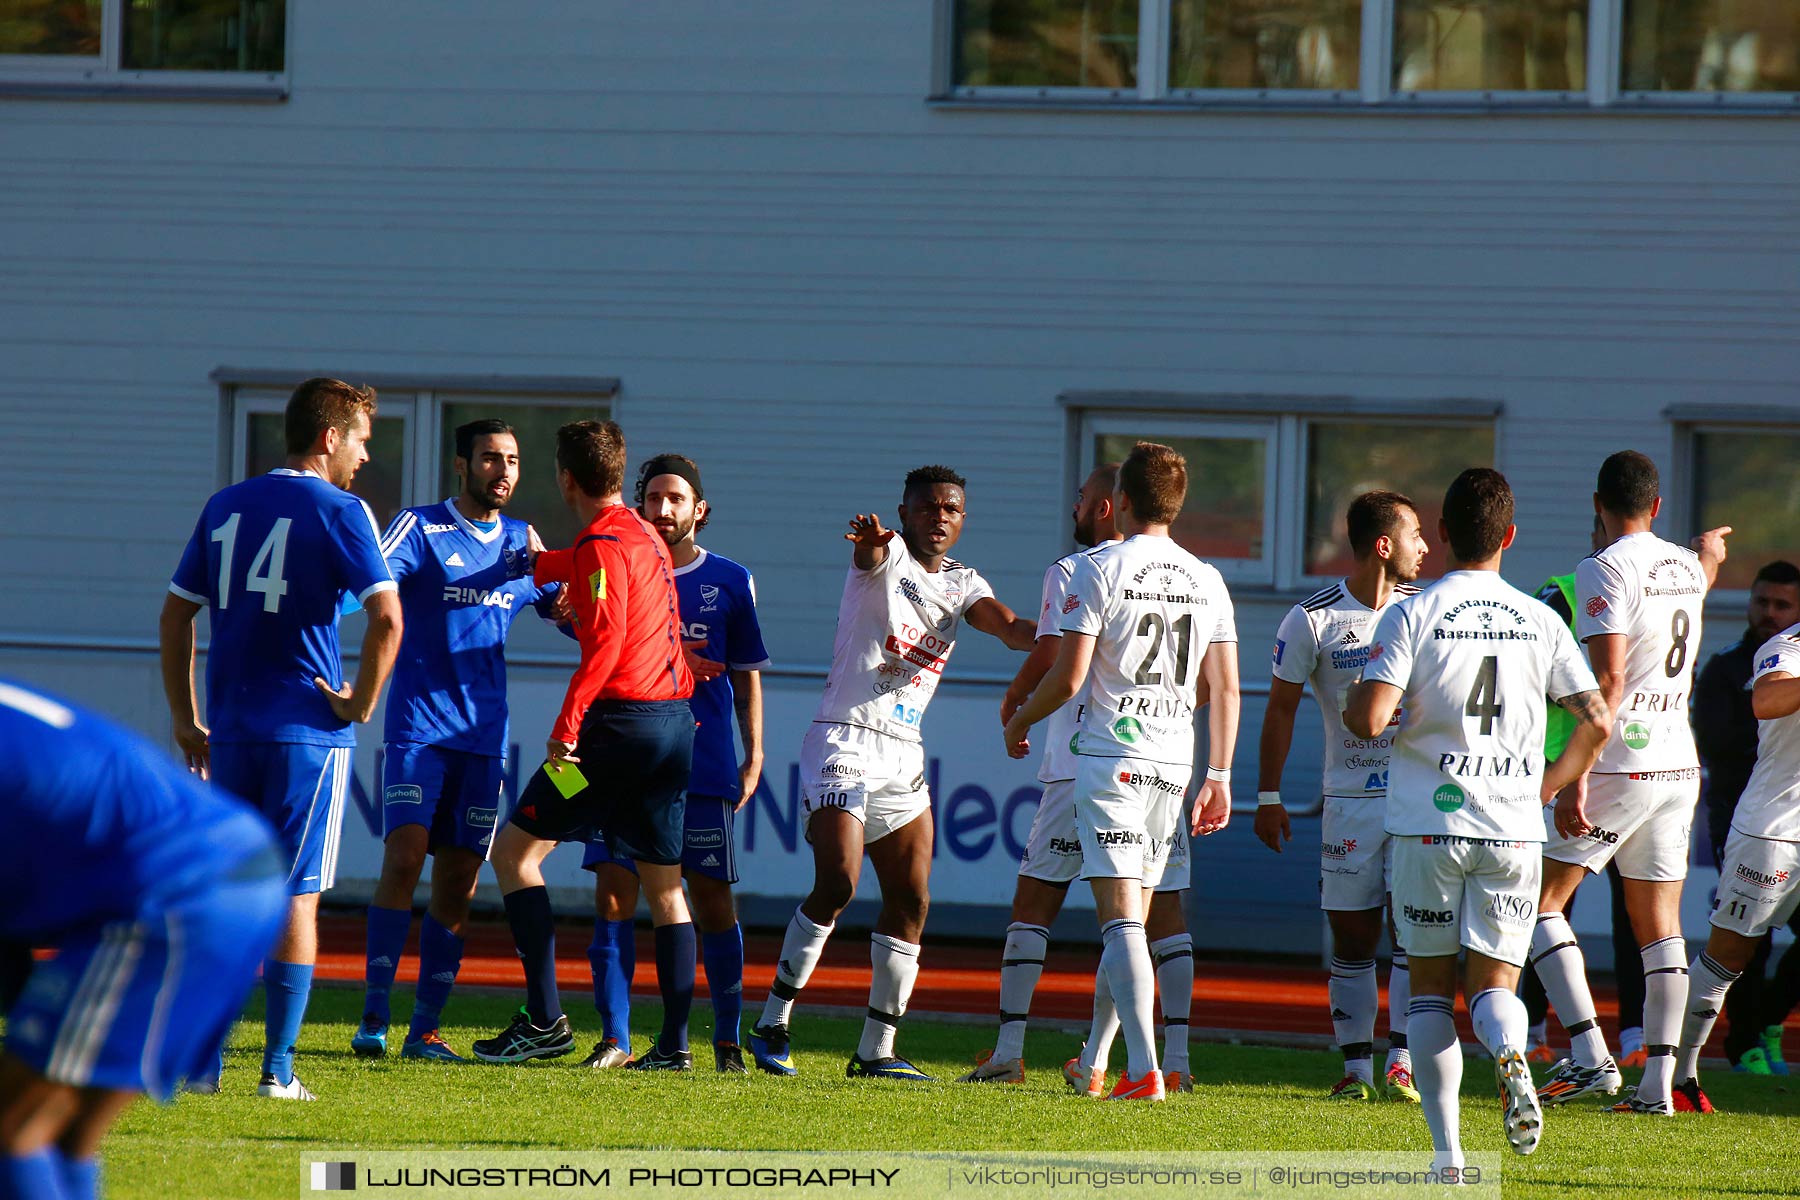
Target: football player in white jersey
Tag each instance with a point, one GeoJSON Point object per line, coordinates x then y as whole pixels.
{"type": "Point", "coordinates": [1324, 641]}
{"type": "Point", "coordinates": [1638, 604]}
{"type": "Point", "coordinates": [862, 766]}
{"type": "Point", "coordinates": [1759, 883]}
{"type": "Point", "coordinates": [1469, 661]}
{"type": "Point", "coordinates": [1148, 621]}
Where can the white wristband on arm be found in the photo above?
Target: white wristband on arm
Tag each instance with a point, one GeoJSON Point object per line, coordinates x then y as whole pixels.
{"type": "Point", "coordinates": [1218, 774]}
{"type": "Point", "coordinates": [1265, 799]}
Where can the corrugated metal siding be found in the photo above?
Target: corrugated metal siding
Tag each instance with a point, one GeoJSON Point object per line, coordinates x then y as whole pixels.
{"type": "Point", "coordinates": [811, 280]}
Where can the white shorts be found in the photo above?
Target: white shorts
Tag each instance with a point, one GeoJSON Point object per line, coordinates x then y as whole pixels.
{"type": "Point", "coordinates": [1759, 886]}
{"type": "Point", "coordinates": [1452, 892]}
{"type": "Point", "coordinates": [1053, 848]}
{"type": "Point", "coordinates": [1126, 811]}
{"type": "Point", "coordinates": [1175, 876]}
{"type": "Point", "coordinates": [876, 778]}
{"type": "Point", "coordinates": [1641, 822]}
{"type": "Point", "coordinates": [1356, 856]}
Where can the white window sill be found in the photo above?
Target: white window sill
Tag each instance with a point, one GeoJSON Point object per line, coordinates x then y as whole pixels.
{"type": "Point", "coordinates": [95, 83]}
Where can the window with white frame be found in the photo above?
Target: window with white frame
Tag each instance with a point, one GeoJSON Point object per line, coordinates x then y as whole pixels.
{"type": "Point", "coordinates": [413, 445]}
{"type": "Point", "coordinates": [1267, 494]}
{"type": "Point", "coordinates": [1573, 52]}
{"type": "Point", "coordinates": [1746, 476]}
{"type": "Point", "coordinates": [183, 42]}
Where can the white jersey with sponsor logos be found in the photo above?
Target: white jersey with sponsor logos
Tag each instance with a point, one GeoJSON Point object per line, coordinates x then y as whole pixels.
{"type": "Point", "coordinates": [1474, 658]}
{"type": "Point", "coordinates": [1770, 805]}
{"type": "Point", "coordinates": [897, 625]}
{"type": "Point", "coordinates": [1651, 591]}
{"type": "Point", "coordinates": [1060, 727]}
{"type": "Point", "coordinates": [1153, 610]}
{"type": "Point", "coordinates": [1324, 640]}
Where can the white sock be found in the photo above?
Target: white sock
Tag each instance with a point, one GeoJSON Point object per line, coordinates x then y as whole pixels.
{"type": "Point", "coordinates": [1354, 1003]}
{"type": "Point", "coordinates": [1665, 1002]}
{"type": "Point", "coordinates": [1126, 961]}
{"type": "Point", "coordinates": [1097, 1050]}
{"type": "Point", "coordinates": [1631, 1038]}
{"type": "Point", "coordinates": [1437, 1072]}
{"type": "Point", "coordinates": [1174, 959]}
{"type": "Point", "coordinates": [1558, 962]}
{"type": "Point", "coordinates": [1399, 999]}
{"type": "Point", "coordinates": [801, 949]}
{"type": "Point", "coordinates": [1021, 965]}
{"type": "Point", "coordinates": [1499, 1018]}
{"type": "Point", "coordinates": [1708, 981]}
{"type": "Point", "coordinates": [894, 965]}
{"type": "Point", "coordinates": [1539, 1034]}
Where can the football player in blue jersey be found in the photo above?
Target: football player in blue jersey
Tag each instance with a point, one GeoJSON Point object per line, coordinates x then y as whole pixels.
{"type": "Point", "coordinates": [718, 616]}
{"type": "Point", "coordinates": [464, 573]}
{"type": "Point", "coordinates": [160, 897]}
{"type": "Point", "coordinates": [272, 558]}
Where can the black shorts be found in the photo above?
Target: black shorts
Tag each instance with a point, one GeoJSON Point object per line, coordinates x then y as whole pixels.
{"type": "Point", "coordinates": [635, 755]}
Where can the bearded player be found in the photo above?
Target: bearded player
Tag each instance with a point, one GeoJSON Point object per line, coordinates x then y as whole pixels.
{"type": "Point", "coordinates": [1324, 640]}
{"type": "Point", "coordinates": [862, 766]}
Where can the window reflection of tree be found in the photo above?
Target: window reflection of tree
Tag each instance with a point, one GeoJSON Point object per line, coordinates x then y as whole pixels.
{"type": "Point", "coordinates": [1490, 45]}
{"type": "Point", "coordinates": [50, 27]}
{"type": "Point", "coordinates": [1047, 43]}
{"type": "Point", "coordinates": [1265, 43]}
{"type": "Point", "coordinates": [1711, 45]}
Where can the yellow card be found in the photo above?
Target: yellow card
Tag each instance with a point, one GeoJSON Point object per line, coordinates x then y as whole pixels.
{"type": "Point", "coordinates": [567, 777]}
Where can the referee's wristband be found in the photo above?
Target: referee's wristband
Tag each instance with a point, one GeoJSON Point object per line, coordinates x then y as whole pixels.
{"type": "Point", "coordinates": [1218, 774]}
{"type": "Point", "coordinates": [1266, 799]}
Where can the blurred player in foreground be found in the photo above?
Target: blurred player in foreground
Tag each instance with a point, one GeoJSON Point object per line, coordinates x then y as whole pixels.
{"type": "Point", "coordinates": [1144, 623]}
{"type": "Point", "coordinates": [1469, 659]}
{"type": "Point", "coordinates": [862, 766]}
{"type": "Point", "coordinates": [160, 897]}
{"type": "Point", "coordinates": [273, 558]}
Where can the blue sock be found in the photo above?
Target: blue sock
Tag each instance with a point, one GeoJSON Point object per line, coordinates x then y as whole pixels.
{"type": "Point", "coordinates": [440, 958]}
{"type": "Point", "coordinates": [675, 974]}
{"type": "Point", "coordinates": [613, 956]}
{"type": "Point", "coordinates": [287, 985]}
{"type": "Point", "coordinates": [388, 928]}
{"type": "Point", "coordinates": [534, 932]}
{"type": "Point", "coordinates": [723, 954]}
{"type": "Point", "coordinates": [80, 1176]}
{"type": "Point", "coordinates": [31, 1176]}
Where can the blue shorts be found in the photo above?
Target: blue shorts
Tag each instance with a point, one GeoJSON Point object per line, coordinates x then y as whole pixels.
{"type": "Point", "coordinates": [300, 788]}
{"type": "Point", "coordinates": [454, 794]}
{"type": "Point", "coordinates": [635, 756]}
{"type": "Point", "coordinates": [707, 846]}
{"type": "Point", "coordinates": [144, 1005]}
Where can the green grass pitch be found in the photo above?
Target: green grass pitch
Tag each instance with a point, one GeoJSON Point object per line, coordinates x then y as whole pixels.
{"type": "Point", "coordinates": [1249, 1098]}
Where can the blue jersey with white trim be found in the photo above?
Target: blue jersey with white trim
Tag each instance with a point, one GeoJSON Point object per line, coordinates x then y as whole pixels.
{"type": "Point", "coordinates": [460, 588]}
{"type": "Point", "coordinates": [100, 824]}
{"type": "Point", "coordinates": [271, 557]}
{"type": "Point", "coordinates": [717, 598]}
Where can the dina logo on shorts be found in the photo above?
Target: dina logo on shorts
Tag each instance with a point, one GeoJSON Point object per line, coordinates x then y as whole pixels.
{"type": "Point", "coordinates": [1636, 735]}
{"type": "Point", "coordinates": [1448, 798]}
{"type": "Point", "coordinates": [1127, 730]}
{"type": "Point", "coordinates": [403, 793]}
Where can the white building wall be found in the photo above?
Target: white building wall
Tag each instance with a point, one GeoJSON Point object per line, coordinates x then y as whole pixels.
{"type": "Point", "coordinates": [811, 279]}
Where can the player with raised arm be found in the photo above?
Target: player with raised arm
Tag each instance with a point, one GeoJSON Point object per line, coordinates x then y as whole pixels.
{"type": "Point", "coordinates": [1324, 641]}
{"type": "Point", "coordinates": [464, 572]}
{"type": "Point", "coordinates": [618, 757]}
{"type": "Point", "coordinates": [272, 558]}
{"type": "Point", "coordinates": [1759, 881]}
{"type": "Point", "coordinates": [718, 617]}
{"type": "Point", "coordinates": [159, 895]}
{"type": "Point", "coordinates": [1638, 609]}
{"type": "Point", "coordinates": [1468, 660]}
{"type": "Point", "coordinates": [862, 765]}
{"type": "Point", "coordinates": [1148, 622]}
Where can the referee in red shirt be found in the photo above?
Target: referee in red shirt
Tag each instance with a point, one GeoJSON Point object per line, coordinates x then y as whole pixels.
{"type": "Point", "coordinates": [618, 757]}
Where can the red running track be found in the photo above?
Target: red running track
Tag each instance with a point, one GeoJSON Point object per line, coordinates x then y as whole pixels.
{"type": "Point", "coordinates": [1268, 1001]}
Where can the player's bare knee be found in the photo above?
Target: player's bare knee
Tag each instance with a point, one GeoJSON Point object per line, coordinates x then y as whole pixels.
{"type": "Point", "coordinates": [1355, 935]}
{"type": "Point", "coordinates": [1036, 902]}
{"type": "Point", "coordinates": [1167, 916]}
{"type": "Point", "coordinates": [831, 894]}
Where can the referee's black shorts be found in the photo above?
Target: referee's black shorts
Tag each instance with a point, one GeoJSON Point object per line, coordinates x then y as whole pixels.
{"type": "Point", "coordinates": [635, 755]}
